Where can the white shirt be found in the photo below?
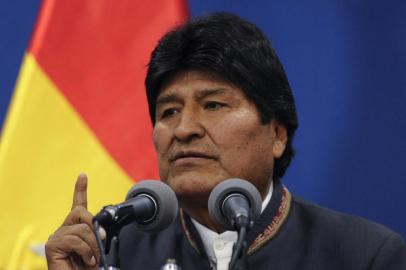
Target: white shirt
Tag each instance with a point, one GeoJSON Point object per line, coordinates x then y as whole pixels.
{"type": "Point", "coordinates": [219, 247]}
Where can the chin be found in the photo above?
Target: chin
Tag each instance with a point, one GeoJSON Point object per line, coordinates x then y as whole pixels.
{"type": "Point", "coordinates": [192, 189]}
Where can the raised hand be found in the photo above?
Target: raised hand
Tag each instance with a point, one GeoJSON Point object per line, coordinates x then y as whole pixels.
{"type": "Point", "coordinates": [73, 246]}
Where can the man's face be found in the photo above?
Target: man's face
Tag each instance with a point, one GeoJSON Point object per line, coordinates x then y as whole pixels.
{"type": "Point", "coordinates": [206, 131]}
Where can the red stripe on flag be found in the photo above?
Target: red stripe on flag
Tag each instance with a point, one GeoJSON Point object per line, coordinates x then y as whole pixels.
{"type": "Point", "coordinates": [96, 52]}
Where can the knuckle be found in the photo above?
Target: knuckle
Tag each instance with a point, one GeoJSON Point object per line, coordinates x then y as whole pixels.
{"type": "Point", "coordinates": [48, 246]}
{"type": "Point", "coordinates": [82, 247]}
{"type": "Point", "coordinates": [78, 209]}
{"type": "Point", "coordinates": [78, 214]}
{"type": "Point", "coordinates": [70, 218]}
{"type": "Point", "coordinates": [81, 226]}
{"type": "Point", "coordinates": [81, 208]}
{"type": "Point", "coordinates": [75, 240]}
{"type": "Point", "coordinates": [57, 233]}
{"type": "Point", "coordinates": [61, 231]}
{"type": "Point", "coordinates": [84, 227]}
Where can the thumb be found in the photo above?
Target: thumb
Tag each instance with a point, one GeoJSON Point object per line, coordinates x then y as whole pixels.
{"type": "Point", "coordinates": [80, 193]}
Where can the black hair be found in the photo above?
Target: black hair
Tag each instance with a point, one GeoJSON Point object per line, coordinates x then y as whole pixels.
{"type": "Point", "coordinates": [237, 51]}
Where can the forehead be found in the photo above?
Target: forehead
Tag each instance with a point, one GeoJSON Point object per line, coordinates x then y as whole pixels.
{"type": "Point", "coordinates": [196, 83]}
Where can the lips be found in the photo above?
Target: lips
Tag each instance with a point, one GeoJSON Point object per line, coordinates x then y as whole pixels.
{"type": "Point", "coordinates": [190, 154]}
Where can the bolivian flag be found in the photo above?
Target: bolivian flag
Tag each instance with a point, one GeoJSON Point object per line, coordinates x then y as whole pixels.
{"type": "Point", "coordinates": [79, 106]}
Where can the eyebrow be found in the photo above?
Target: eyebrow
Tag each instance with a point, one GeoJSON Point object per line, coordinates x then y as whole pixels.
{"type": "Point", "coordinates": [200, 95]}
{"type": "Point", "coordinates": [168, 98]}
{"type": "Point", "coordinates": [208, 92]}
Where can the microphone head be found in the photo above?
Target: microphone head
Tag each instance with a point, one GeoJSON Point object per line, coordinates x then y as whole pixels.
{"type": "Point", "coordinates": [233, 186]}
{"type": "Point", "coordinates": [165, 200]}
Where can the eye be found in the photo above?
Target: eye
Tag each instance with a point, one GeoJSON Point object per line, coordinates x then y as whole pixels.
{"type": "Point", "coordinates": [213, 105]}
{"type": "Point", "coordinates": [169, 113]}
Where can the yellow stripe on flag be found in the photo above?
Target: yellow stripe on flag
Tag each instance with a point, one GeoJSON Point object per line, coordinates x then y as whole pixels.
{"type": "Point", "coordinates": [45, 145]}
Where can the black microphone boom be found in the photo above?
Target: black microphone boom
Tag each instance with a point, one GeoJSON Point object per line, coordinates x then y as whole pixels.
{"type": "Point", "coordinates": [151, 205]}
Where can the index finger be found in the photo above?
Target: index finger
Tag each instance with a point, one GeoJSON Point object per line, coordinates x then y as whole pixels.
{"type": "Point", "coordinates": [80, 193]}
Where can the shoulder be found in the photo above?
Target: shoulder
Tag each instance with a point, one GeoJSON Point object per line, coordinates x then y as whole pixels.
{"type": "Point", "coordinates": [323, 218]}
{"type": "Point", "coordinates": [350, 236]}
{"type": "Point", "coordinates": [339, 225]}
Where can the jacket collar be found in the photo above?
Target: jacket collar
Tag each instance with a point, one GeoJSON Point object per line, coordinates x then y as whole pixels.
{"type": "Point", "coordinates": [265, 227]}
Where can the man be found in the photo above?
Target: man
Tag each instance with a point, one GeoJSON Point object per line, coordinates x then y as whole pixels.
{"type": "Point", "coordinates": [222, 108]}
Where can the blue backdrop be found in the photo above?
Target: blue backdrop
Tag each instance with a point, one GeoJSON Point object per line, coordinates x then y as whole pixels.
{"type": "Point", "coordinates": [346, 64]}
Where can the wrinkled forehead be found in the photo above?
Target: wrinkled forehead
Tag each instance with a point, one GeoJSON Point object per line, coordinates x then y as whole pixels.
{"type": "Point", "coordinates": [183, 75]}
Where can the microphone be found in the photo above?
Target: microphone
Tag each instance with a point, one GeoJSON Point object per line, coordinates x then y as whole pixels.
{"type": "Point", "coordinates": [151, 205]}
{"type": "Point", "coordinates": [234, 203]}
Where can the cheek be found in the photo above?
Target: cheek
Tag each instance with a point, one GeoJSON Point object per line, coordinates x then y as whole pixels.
{"type": "Point", "coordinates": [249, 150]}
{"type": "Point", "coordinates": [162, 139]}
{"type": "Point", "coordinates": [245, 145]}
{"type": "Point", "coordinates": [237, 131]}
{"type": "Point", "coordinates": [252, 160]}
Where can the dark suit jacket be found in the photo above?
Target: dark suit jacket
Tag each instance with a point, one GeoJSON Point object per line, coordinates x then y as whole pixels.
{"type": "Point", "coordinates": [291, 234]}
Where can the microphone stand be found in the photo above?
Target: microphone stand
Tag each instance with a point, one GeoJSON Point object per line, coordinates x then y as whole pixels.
{"type": "Point", "coordinates": [109, 259]}
{"type": "Point", "coordinates": [240, 262]}
{"type": "Point", "coordinates": [239, 256]}
{"type": "Point", "coordinates": [112, 260]}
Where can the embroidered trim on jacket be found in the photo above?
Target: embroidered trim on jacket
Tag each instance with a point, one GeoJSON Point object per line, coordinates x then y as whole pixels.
{"type": "Point", "coordinates": [269, 232]}
{"type": "Point", "coordinates": [277, 222]}
{"type": "Point", "coordinates": [188, 235]}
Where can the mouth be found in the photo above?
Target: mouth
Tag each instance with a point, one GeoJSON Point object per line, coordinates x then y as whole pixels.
{"type": "Point", "coordinates": [190, 155]}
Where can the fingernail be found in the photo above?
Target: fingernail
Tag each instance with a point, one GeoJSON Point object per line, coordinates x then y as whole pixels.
{"type": "Point", "coordinates": [102, 233]}
{"type": "Point", "coordinates": [93, 261]}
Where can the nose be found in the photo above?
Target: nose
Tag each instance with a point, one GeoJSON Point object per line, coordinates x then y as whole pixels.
{"type": "Point", "coordinates": [189, 127]}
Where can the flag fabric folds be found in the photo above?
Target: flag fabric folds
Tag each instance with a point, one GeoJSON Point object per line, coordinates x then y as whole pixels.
{"type": "Point", "coordinates": [79, 106]}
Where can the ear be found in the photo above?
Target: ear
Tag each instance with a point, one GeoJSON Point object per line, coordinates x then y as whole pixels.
{"type": "Point", "coordinates": [280, 138]}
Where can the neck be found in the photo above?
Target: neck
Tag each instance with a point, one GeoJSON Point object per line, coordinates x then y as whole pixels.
{"type": "Point", "coordinates": [201, 215]}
